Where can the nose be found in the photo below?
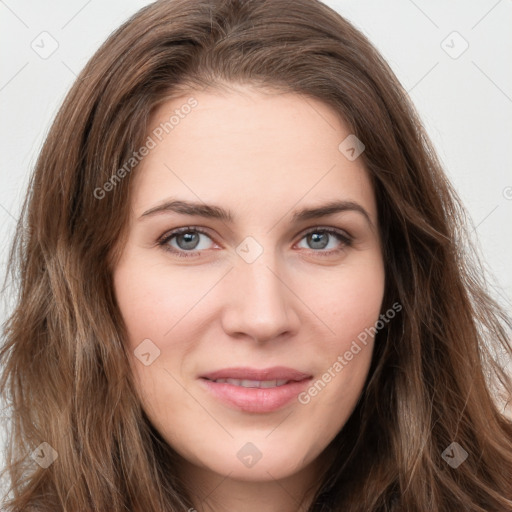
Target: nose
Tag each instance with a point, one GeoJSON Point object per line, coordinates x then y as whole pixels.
{"type": "Point", "coordinates": [260, 305]}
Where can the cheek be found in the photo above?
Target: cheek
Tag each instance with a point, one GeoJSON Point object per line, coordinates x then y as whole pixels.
{"type": "Point", "coordinates": [158, 309]}
{"type": "Point", "coordinates": [154, 306]}
{"type": "Point", "coordinates": [346, 354]}
{"type": "Point", "coordinates": [152, 302]}
{"type": "Point", "coordinates": [347, 302]}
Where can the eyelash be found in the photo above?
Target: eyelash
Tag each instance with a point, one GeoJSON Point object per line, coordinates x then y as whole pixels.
{"type": "Point", "coordinates": [344, 238]}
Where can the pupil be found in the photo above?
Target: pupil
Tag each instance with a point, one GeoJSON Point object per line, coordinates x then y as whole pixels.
{"type": "Point", "coordinates": [190, 240]}
{"type": "Point", "coordinates": [316, 240]}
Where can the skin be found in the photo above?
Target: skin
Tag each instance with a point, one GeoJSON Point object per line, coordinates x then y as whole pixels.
{"type": "Point", "coordinates": [262, 156]}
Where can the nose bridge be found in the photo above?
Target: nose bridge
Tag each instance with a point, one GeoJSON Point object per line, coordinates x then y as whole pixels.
{"type": "Point", "coordinates": [261, 305]}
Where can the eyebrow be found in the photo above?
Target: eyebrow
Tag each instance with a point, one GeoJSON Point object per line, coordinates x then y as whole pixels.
{"type": "Point", "coordinates": [216, 212]}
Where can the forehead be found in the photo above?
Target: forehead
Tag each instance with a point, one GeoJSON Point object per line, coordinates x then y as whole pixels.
{"type": "Point", "coordinates": [248, 147]}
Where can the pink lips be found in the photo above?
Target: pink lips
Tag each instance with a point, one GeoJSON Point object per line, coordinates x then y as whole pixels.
{"type": "Point", "coordinates": [263, 395]}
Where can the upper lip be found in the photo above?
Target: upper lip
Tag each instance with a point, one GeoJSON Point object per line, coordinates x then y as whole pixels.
{"type": "Point", "coordinates": [245, 373]}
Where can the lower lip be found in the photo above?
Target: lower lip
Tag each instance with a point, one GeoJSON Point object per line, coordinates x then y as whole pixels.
{"type": "Point", "coordinates": [259, 400]}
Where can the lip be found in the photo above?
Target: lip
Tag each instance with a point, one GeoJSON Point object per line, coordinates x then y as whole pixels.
{"type": "Point", "coordinates": [274, 373]}
{"type": "Point", "coordinates": [257, 400]}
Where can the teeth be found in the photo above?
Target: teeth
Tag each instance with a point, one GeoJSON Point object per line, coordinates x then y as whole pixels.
{"type": "Point", "coordinates": [253, 383]}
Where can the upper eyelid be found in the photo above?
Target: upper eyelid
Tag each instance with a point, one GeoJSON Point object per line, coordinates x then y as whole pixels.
{"type": "Point", "coordinates": [327, 229]}
{"type": "Point", "coordinates": [177, 231]}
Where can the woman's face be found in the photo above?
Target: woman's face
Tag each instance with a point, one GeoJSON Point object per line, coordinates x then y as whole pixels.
{"type": "Point", "coordinates": [246, 327]}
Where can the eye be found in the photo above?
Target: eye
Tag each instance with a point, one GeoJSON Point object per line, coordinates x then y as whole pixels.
{"type": "Point", "coordinates": [326, 240]}
{"type": "Point", "coordinates": [185, 240]}
{"type": "Point", "coordinates": [189, 241]}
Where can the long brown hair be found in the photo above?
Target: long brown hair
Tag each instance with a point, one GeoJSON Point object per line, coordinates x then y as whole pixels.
{"type": "Point", "coordinates": [434, 378]}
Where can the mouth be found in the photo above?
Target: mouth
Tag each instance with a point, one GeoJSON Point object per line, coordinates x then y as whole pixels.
{"type": "Point", "coordinates": [262, 384]}
{"type": "Point", "coordinates": [253, 390]}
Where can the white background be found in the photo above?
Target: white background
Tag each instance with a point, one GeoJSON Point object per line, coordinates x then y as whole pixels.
{"type": "Point", "coordinates": [464, 102]}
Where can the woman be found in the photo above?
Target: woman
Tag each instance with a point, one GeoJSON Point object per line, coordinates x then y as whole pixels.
{"type": "Point", "coordinates": [243, 284]}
